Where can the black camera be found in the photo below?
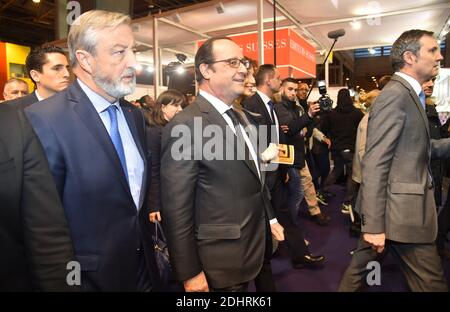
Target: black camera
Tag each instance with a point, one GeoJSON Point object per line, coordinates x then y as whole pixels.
{"type": "Point", "coordinates": [325, 102]}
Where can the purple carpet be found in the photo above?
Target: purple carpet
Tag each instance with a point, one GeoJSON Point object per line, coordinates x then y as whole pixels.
{"type": "Point", "coordinates": [334, 242]}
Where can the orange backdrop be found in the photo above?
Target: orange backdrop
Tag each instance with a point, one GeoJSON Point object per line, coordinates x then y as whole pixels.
{"type": "Point", "coordinates": [295, 56]}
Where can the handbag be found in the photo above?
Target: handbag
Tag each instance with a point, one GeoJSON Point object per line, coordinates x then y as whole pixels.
{"type": "Point", "coordinates": [162, 255]}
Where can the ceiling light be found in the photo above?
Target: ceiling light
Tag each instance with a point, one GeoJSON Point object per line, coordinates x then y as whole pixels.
{"type": "Point", "coordinates": [372, 51]}
{"type": "Point", "coordinates": [36, 1]}
{"type": "Point", "coordinates": [355, 25]}
{"type": "Point", "coordinates": [180, 70]}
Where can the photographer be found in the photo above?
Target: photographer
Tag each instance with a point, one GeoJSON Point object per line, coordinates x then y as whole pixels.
{"type": "Point", "coordinates": [340, 125]}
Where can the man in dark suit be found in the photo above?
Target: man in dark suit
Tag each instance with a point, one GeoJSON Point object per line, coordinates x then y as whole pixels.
{"type": "Point", "coordinates": [95, 145]}
{"type": "Point", "coordinates": [267, 83]}
{"type": "Point", "coordinates": [34, 236]}
{"type": "Point", "coordinates": [396, 198]}
{"type": "Point", "coordinates": [215, 207]}
{"type": "Point", "coordinates": [48, 68]}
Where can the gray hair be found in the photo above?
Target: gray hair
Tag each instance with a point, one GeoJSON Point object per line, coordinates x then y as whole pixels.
{"type": "Point", "coordinates": [83, 32]}
{"type": "Point", "coordinates": [408, 41]}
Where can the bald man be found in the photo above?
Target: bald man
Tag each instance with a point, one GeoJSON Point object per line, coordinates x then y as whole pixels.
{"type": "Point", "coordinates": [15, 88]}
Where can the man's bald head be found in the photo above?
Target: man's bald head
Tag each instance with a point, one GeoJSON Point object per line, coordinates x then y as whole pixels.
{"type": "Point", "coordinates": [15, 88]}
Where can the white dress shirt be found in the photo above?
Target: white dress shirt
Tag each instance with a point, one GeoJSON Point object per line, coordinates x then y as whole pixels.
{"type": "Point", "coordinates": [266, 100]}
{"type": "Point", "coordinates": [413, 82]}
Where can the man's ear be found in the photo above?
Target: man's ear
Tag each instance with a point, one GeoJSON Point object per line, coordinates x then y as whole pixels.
{"type": "Point", "coordinates": [206, 71]}
{"type": "Point", "coordinates": [84, 59]}
{"type": "Point", "coordinates": [409, 57]}
{"type": "Point", "coordinates": [34, 74]}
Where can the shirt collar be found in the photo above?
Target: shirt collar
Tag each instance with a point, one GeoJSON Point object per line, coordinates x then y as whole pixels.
{"type": "Point", "coordinates": [264, 97]}
{"type": "Point", "coordinates": [99, 102]}
{"type": "Point", "coordinates": [413, 82]}
{"type": "Point", "coordinates": [40, 98]}
{"type": "Point", "coordinates": [219, 105]}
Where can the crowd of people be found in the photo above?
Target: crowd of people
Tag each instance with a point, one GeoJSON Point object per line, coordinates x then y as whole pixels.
{"type": "Point", "coordinates": [86, 174]}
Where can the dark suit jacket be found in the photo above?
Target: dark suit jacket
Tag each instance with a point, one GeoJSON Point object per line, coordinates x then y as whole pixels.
{"type": "Point", "coordinates": [154, 146]}
{"type": "Point", "coordinates": [215, 211]}
{"type": "Point", "coordinates": [34, 236]}
{"type": "Point", "coordinates": [106, 227]}
{"type": "Point", "coordinates": [289, 114]}
{"type": "Point", "coordinates": [396, 194]}
{"type": "Point", "coordinates": [23, 102]}
{"type": "Point", "coordinates": [256, 105]}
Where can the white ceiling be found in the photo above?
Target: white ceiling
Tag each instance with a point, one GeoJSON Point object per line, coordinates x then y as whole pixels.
{"type": "Point", "coordinates": [394, 18]}
{"type": "Point", "coordinates": [314, 18]}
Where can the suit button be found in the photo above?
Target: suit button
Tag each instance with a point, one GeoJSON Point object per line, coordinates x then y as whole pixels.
{"type": "Point", "coordinates": [138, 249]}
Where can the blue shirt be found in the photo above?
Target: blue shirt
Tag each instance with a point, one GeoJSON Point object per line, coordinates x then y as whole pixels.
{"type": "Point", "coordinates": [135, 164]}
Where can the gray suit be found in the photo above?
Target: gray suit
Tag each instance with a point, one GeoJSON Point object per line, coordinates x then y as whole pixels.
{"type": "Point", "coordinates": [396, 195]}
{"type": "Point", "coordinates": [214, 212]}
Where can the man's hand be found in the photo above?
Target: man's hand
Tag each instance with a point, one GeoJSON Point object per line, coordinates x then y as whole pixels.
{"type": "Point", "coordinates": [376, 240]}
{"type": "Point", "coordinates": [155, 216]}
{"type": "Point", "coordinates": [277, 231]}
{"type": "Point", "coordinates": [196, 284]}
{"type": "Point", "coordinates": [271, 153]}
{"type": "Point", "coordinates": [327, 141]}
{"type": "Point", "coordinates": [314, 108]}
{"type": "Point", "coordinates": [284, 128]}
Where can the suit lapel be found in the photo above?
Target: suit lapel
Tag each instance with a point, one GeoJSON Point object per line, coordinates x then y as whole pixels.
{"type": "Point", "coordinates": [263, 109]}
{"type": "Point", "coordinates": [214, 118]}
{"type": "Point", "coordinates": [89, 116]}
{"type": "Point", "coordinates": [416, 100]}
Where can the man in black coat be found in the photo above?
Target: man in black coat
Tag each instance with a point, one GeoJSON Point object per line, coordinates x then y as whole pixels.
{"type": "Point", "coordinates": [34, 236]}
{"type": "Point", "coordinates": [267, 83]}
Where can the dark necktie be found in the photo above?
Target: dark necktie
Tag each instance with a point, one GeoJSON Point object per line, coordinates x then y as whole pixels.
{"type": "Point", "coordinates": [115, 137]}
{"type": "Point", "coordinates": [270, 103]}
{"type": "Point", "coordinates": [237, 121]}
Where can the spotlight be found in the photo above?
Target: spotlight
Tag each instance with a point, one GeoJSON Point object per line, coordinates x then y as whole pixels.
{"type": "Point", "coordinates": [177, 17]}
{"type": "Point", "coordinates": [220, 8]}
{"type": "Point", "coordinates": [180, 70]}
{"type": "Point", "coordinates": [355, 25]}
{"type": "Point", "coordinates": [181, 57]}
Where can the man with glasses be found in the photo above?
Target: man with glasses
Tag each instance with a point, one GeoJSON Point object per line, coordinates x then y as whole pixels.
{"type": "Point", "coordinates": [216, 210]}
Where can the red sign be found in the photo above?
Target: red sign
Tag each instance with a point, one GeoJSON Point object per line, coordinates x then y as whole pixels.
{"type": "Point", "coordinates": [295, 56]}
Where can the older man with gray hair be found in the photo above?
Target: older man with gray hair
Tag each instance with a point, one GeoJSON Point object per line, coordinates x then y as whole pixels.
{"type": "Point", "coordinates": [95, 146]}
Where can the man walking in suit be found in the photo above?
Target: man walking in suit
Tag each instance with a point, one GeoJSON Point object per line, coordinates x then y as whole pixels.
{"type": "Point", "coordinates": [267, 83]}
{"type": "Point", "coordinates": [215, 210]}
{"type": "Point", "coordinates": [396, 199]}
{"type": "Point", "coordinates": [48, 68]}
{"type": "Point", "coordinates": [34, 236]}
{"type": "Point", "coordinates": [95, 145]}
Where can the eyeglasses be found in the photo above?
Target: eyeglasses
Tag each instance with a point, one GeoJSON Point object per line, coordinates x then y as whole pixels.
{"type": "Point", "coordinates": [235, 62]}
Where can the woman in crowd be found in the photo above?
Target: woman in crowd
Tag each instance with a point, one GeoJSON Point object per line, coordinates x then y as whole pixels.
{"type": "Point", "coordinates": [168, 104]}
